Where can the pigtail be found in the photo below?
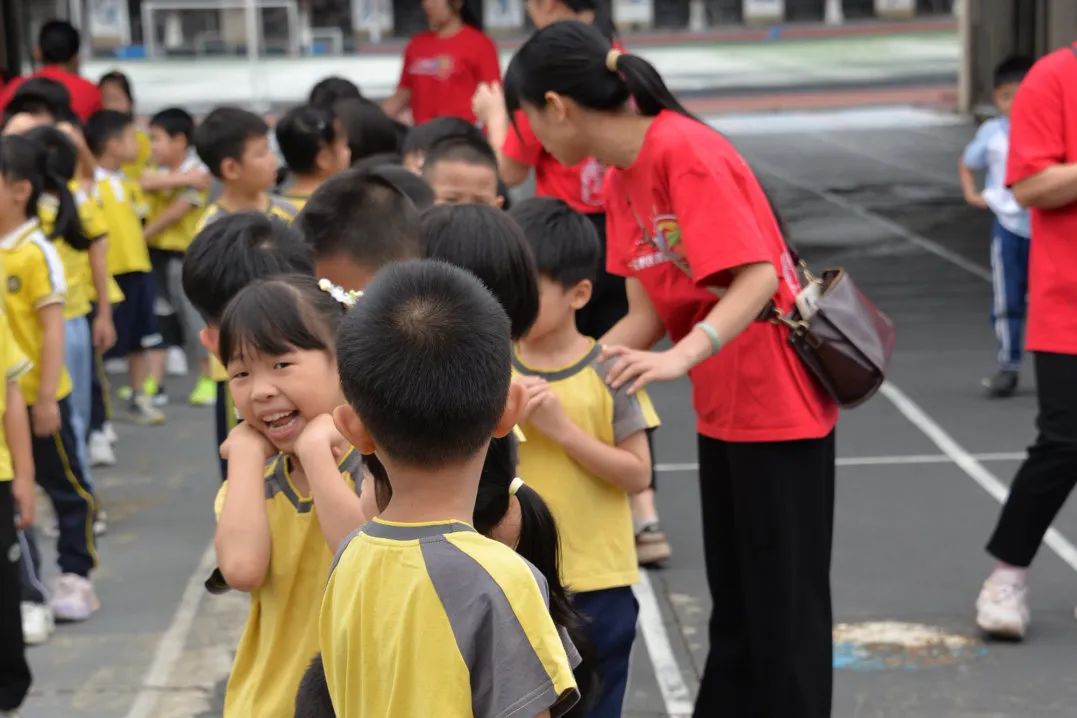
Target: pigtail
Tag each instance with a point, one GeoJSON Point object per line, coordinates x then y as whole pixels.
{"type": "Point", "coordinates": [57, 161]}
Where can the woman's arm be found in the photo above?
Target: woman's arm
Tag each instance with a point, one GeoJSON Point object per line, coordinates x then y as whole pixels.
{"type": "Point", "coordinates": [641, 327]}
{"type": "Point", "coordinates": [488, 104]}
{"type": "Point", "coordinates": [397, 102]}
{"type": "Point", "coordinates": [1052, 188]}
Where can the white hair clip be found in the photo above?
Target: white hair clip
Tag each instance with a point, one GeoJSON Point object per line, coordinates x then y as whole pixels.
{"type": "Point", "coordinates": [346, 297]}
{"type": "Point", "coordinates": [515, 486]}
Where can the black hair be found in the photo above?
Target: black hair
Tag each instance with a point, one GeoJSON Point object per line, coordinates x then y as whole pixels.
{"type": "Point", "coordinates": [382, 159]}
{"type": "Point", "coordinates": [467, 150]}
{"type": "Point", "coordinates": [569, 58]}
{"type": "Point", "coordinates": [26, 158]}
{"type": "Point", "coordinates": [1012, 70]}
{"type": "Point", "coordinates": [105, 125]}
{"type": "Point", "coordinates": [174, 121]}
{"type": "Point", "coordinates": [411, 184]}
{"type": "Point", "coordinates": [120, 79]}
{"type": "Point", "coordinates": [58, 41]}
{"type": "Point", "coordinates": [233, 251]}
{"type": "Point", "coordinates": [328, 90]}
{"type": "Point", "coordinates": [312, 700]}
{"type": "Point", "coordinates": [564, 242]}
{"type": "Point", "coordinates": [61, 161]}
{"type": "Point", "coordinates": [302, 133]}
{"type": "Point", "coordinates": [363, 215]}
{"type": "Point", "coordinates": [39, 95]}
{"type": "Point", "coordinates": [425, 360]}
{"type": "Point", "coordinates": [278, 314]}
{"type": "Point", "coordinates": [370, 131]}
{"type": "Point", "coordinates": [489, 244]}
{"type": "Point", "coordinates": [224, 133]}
{"type": "Point", "coordinates": [422, 137]}
{"type": "Point", "coordinates": [602, 17]}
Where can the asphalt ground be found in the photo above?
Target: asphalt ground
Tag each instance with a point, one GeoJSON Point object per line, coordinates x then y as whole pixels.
{"type": "Point", "coordinates": [921, 470]}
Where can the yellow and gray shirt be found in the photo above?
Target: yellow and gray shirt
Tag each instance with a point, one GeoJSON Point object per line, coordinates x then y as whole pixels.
{"type": "Point", "coordinates": [276, 207]}
{"type": "Point", "coordinates": [14, 364]}
{"type": "Point", "coordinates": [124, 207]}
{"type": "Point", "coordinates": [177, 237]}
{"type": "Point", "coordinates": [280, 636]}
{"type": "Point", "coordinates": [433, 619]}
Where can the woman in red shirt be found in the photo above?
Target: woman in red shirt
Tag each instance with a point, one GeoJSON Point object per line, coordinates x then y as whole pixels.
{"type": "Point", "coordinates": [688, 223]}
{"type": "Point", "coordinates": [442, 67]}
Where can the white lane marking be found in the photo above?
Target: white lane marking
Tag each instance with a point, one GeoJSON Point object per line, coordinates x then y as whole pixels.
{"type": "Point", "coordinates": [896, 460]}
{"type": "Point", "coordinates": [667, 672]}
{"type": "Point", "coordinates": [170, 646]}
{"type": "Point", "coordinates": [969, 464]}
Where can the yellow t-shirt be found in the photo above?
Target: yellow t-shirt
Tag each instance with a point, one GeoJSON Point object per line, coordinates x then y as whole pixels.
{"type": "Point", "coordinates": [434, 619]}
{"type": "Point", "coordinates": [277, 207]}
{"type": "Point", "coordinates": [76, 263]}
{"type": "Point", "coordinates": [124, 208]}
{"type": "Point", "coordinates": [33, 278]}
{"type": "Point", "coordinates": [142, 162]}
{"type": "Point", "coordinates": [299, 201]}
{"type": "Point", "coordinates": [594, 519]}
{"type": "Point", "coordinates": [177, 237]}
{"type": "Point", "coordinates": [281, 634]}
{"type": "Point", "coordinates": [14, 364]}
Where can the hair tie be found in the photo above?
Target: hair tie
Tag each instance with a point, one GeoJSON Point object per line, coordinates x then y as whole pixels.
{"type": "Point", "coordinates": [515, 486]}
{"type": "Point", "coordinates": [346, 297]}
{"type": "Point", "coordinates": [611, 59]}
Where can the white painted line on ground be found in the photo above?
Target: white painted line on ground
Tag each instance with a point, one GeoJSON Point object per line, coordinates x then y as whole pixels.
{"type": "Point", "coordinates": [895, 460]}
{"type": "Point", "coordinates": [667, 672]}
{"type": "Point", "coordinates": [969, 464]}
{"type": "Point", "coordinates": [170, 646]}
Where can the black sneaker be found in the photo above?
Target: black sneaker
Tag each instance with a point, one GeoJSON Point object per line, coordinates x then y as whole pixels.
{"type": "Point", "coordinates": [1001, 385]}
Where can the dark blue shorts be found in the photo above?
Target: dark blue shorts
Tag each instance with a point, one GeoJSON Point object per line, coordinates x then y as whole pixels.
{"type": "Point", "coordinates": [135, 319]}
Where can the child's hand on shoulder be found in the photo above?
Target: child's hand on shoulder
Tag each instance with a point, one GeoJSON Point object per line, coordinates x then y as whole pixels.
{"type": "Point", "coordinates": [545, 411]}
{"type": "Point", "coordinates": [246, 440]}
{"type": "Point", "coordinates": [320, 434]}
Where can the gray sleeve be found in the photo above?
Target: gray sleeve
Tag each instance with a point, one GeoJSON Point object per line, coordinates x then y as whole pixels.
{"type": "Point", "coordinates": [628, 415]}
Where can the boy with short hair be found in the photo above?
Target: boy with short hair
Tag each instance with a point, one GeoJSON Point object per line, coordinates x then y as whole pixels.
{"type": "Point", "coordinates": [463, 170]}
{"type": "Point", "coordinates": [234, 144]}
{"type": "Point", "coordinates": [110, 136]}
{"type": "Point", "coordinates": [421, 138]}
{"type": "Point", "coordinates": [357, 222]}
{"type": "Point", "coordinates": [315, 147]}
{"type": "Point", "coordinates": [587, 448]}
{"type": "Point", "coordinates": [224, 257]}
{"type": "Point", "coordinates": [425, 364]}
{"type": "Point", "coordinates": [175, 210]}
{"type": "Point", "coordinates": [1012, 227]}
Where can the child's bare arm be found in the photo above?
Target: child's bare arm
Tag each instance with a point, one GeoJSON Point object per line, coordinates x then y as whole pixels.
{"type": "Point", "coordinates": [626, 465]}
{"type": "Point", "coordinates": [196, 178]}
{"type": "Point", "coordinates": [242, 539]}
{"type": "Point", "coordinates": [17, 431]}
{"type": "Point", "coordinates": [340, 509]}
{"type": "Point", "coordinates": [104, 331]}
{"type": "Point", "coordinates": [173, 213]}
{"type": "Point", "coordinates": [968, 186]}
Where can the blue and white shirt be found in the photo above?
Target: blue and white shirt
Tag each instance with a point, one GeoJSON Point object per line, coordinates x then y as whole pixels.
{"type": "Point", "coordinates": [988, 151]}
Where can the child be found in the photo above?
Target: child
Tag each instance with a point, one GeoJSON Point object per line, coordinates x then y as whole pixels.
{"type": "Point", "coordinates": [174, 212]}
{"type": "Point", "coordinates": [224, 258]}
{"type": "Point", "coordinates": [111, 138]}
{"type": "Point", "coordinates": [587, 443]}
{"type": "Point", "coordinates": [424, 363]}
{"type": "Point", "coordinates": [1011, 231]}
{"type": "Point", "coordinates": [357, 222]}
{"type": "Point", "coordinates": [315, 147]}
{"type": "Point", "coordinates": [34, 296]}
{"type": "Point", "coordinates": [422, 137]}
{"type": "Point", "coordinates": [116, 95]}
{"type": "Point", "coordinates": [276, 338]}
{"type": "Point", "coordinates": [234, 144]}
{"type": "Point", "coordinates": [463, 171]}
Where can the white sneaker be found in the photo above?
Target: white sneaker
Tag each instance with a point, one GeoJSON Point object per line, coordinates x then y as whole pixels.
{"type": "Point", "coordinates": [73, 599]}
{"type": "Point", "coordinates": [110, 432]}
{"type": "Point", "coordinates": [176, 362]}
{"type": "Point", "coordinates": [101, 453]}
{"type": "Point", "coordinates": [37, 623]}
{"type": "Point", "coordinates": [1002, 609]}
{"type": "Point", "coordinates": [142, 411]}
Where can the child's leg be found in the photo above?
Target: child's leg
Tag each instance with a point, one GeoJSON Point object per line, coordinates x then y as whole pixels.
{"type": "Point", "coordinates": [1010, 272]}
{"type": "Point", "coordinates": [610, 624]}
{"type": "Point", "coordinates": [33, 588]}
{"type": "Point", "coordinates": [78, 358]}
{"type": "Point", "coordinates": [14, 671]}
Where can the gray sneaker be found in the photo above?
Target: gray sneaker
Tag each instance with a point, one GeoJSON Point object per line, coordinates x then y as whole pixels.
{"type": "Point", "coordinates": [142, 411]}
{"type": "Point", "coordinates": [1003, 384]}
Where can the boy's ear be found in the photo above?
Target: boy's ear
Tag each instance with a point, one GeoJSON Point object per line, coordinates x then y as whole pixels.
{"type": "Point", "coordinates": [210, 340]}
{"type": "Point", "coordinates": [230, 169]}
{"type": "Point", "coordinates": [581, 294]}
{"type": "Point", "coordinates": [514, 409]}
{"type": "Point", "coordinates": [351, 427]}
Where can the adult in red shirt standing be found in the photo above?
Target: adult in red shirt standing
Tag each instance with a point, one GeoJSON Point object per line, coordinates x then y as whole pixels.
{"type": "Point", "coordinates": [58, 49]}
{"type": "Point", "coordinates": [1042, 173]}
{"type": "Point", "coordinates": [687, 222]}
{"type": "Point", "coordinates": [443, 66]}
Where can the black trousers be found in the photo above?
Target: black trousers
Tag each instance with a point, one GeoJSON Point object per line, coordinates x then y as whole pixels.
{"type": "Point", "coordinates": [608, 303]}
{"type": "Point", "coordinates": [768, 518]}
{"type": "Point", "coordinates": [14, 671]}
{"type": "Point", "coordinates": [1050, 472]}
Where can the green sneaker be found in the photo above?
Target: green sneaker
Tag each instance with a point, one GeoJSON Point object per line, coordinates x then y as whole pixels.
{"type": "Point", "coordinates": [125, 393]}
{"type": "Point", "coordinates": [205, 392]}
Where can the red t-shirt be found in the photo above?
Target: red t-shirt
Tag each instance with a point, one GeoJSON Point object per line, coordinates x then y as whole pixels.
{"type": "Point", "coordinates": [85, 97]}
{"type": "Point", "coordinates": [1043, 132]}
{"type": "Point", "coordinates": [579, 185]}
{"type": "Point", "coordinates": [444, 72]}
{"type": "Point", "coordinates": [698, 200]}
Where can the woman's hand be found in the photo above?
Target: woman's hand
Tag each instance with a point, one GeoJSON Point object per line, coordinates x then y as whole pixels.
{"type": "Point", "coordinates": [643, 367]}
{"type": "Point", "coordinates": [488, 102]}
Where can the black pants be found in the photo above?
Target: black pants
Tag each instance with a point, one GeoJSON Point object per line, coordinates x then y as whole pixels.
{"type": "Point", "coordinates": [1050, 472]}
{"type": "Point", "coordinates": [100, 391]}
{"type": "Point", "coordinates": [608, 301]}
{"type": "Point", "coordinates": [768, 517]}
{"type": "Point", "coordinates": [14, 672]}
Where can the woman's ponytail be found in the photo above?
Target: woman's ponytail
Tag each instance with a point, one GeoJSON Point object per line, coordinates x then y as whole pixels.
{"type": "Point", "coordinates": [646, 86]}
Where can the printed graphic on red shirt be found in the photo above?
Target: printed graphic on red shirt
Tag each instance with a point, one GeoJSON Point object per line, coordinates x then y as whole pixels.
{"type": "Point", "coordinates": [440, 67]}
